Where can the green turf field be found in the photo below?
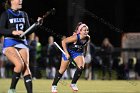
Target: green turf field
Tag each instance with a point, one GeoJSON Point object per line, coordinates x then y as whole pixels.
{"type": "Point", "coordinates": [90, 86]}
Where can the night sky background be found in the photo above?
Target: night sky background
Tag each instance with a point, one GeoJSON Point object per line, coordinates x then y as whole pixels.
{"type": "Point", "coordinates": [105, 18]}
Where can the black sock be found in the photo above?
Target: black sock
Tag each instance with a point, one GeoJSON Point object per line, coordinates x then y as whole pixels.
{"type": "Point", "coordinates": [77, 75]}
{"type": "Point", "coordinates": [57, 78]}
{"type": "Point", "coordinates": [15, 79]}
{"type": "Point", "coordinates": [28, 83]}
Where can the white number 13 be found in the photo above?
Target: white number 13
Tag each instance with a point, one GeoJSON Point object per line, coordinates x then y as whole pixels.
{"type": "Point", "coordinates": [19, 26]}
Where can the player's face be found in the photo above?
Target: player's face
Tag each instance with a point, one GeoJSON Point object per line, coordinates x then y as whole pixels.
{"type": "Point", "coordinates": [51, 39]}
{"type": "Point", "coordinates": [84, 31]}
{"type": "Point", "coordinates": [17, 4]}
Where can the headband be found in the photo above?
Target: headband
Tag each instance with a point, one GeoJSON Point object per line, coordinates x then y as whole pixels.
{"type": "Point", "coordinates": [80, 27]}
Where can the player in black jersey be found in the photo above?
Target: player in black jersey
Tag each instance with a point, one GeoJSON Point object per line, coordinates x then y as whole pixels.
{"type": "Point", "coordinates": [13, 23]}
{"type": "Point", "coordinates": [74, 47]}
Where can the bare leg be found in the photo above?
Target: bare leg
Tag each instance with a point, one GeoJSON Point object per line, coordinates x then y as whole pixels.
{"type": "Point", "coordinates": [63, 67]}
{"type": "Point", "coordinates": [13, 55]}
{"type": "Point", "coordinates": [58, 75]}
{"type": "Point", "coordinates": [26, 72]}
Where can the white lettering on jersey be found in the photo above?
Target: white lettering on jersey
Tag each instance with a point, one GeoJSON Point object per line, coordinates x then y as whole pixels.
{"type": "Point", "coordinates": [17, 20]}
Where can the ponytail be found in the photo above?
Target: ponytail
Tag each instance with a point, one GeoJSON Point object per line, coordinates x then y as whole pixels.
{"type": "Point", "coordinates": [77, 26]}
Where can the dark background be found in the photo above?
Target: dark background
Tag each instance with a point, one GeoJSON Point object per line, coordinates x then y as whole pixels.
{"type": "Point", "coordinates": [105, 18]}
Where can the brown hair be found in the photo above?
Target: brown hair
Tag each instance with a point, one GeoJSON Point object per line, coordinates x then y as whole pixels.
{"type": "Point", "coordinates": [78, 26]}
{"type": "Point", "coordinates": [7, 4]}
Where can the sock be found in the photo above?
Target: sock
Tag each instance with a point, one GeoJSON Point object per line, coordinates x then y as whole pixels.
{"type": "Point", "coordinates": [77, 75]}
{"type": "Point", "coordinates": [28, 83]}
{"type": "Point", "coordinates": [15, 79]}
{"type": "Point", "coordinates": [57, 78]}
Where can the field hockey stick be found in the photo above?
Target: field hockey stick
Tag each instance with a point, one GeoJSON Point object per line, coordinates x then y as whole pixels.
{"type": "Point", "coordinates": [39, 22]}
{"type": "Point", "coordinates": [70, 59]}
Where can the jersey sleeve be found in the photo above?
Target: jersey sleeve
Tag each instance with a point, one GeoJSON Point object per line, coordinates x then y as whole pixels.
{"type": "Point", "coordinates": [27, 24]}
{"type": "Point", "coordinates": [3, 25]}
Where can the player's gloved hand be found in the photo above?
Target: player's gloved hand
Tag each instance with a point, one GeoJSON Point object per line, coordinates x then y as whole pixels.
{"type": "Point", "coordinates": [70, 59]}
{"type": "Point", "coordinates": [40, 21]}
{"type": "Point", "coordinates": [67, 55]}
{"type": "Point", "coordinates": [17, 33]}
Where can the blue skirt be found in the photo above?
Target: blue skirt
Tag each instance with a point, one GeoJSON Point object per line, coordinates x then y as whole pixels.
{"type": "Point", "coordinates": [11, 42]}
{"type": "Point", "coordinates": [8, 42]}
{"type": "Point", "coordinates": [73, 54]}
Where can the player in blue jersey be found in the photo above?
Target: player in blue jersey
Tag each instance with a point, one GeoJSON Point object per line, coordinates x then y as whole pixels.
{"type": "Point", "coordinates": [74, 47]}
{"type": "Point", "coordinates": [13, 23]}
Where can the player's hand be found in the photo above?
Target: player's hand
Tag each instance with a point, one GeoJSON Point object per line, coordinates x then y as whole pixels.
{"type": "Point", "coordinates": [39, 18]}
{"type": "Point", "coordinates": [40, 21]}
{"type": "Point", "coordinates": [19, 32]}
{"type": "Point", "coordinates": [67, 55]}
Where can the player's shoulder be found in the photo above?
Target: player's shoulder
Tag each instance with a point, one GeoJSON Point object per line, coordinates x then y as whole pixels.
{"type": "Point", "coordinates": [23, 12]}
{"type": "Point", "coordinates": [4, 13]}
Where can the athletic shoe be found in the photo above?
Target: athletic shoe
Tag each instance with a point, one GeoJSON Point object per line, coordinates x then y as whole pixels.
{"type": "Point", "coordinates": [74, 87]}
{"type": "Point", "coordinates": [54, 89]}
{"type": "Point", "coordinates": [11, 91]}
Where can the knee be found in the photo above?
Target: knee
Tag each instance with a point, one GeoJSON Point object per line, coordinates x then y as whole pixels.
{"type": "Point", "coordinates": [18, 67]}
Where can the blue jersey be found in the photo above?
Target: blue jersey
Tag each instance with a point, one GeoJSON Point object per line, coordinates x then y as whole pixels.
{"type": "Point", "coordinates": [76, 49]}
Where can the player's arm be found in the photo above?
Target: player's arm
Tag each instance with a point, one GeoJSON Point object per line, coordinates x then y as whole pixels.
{"type": "Point", "coordinates": [86, 46]}
{"type": "Point", "coordinates": [3, 23]}
{"type": "Point", "coordinates": [66, 41]}
{"type": "Point", "coordinates": [27, 23]}
{"type": "Point", "coordinates": [85, 49]}
{"type": "Point", "coordinates": [33, 27]}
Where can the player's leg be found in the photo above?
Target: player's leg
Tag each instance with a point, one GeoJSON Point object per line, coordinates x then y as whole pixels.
{"type": "Point", "coordinates": [80, 63]}
{"type": "Point", "coordinates": [26, 72]}
{"type": "Point", "coordinates": [14, 57]}
{"type": "Point", "coordinates": [58, 75]}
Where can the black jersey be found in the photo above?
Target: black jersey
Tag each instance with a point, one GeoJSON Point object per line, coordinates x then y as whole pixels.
{"type": "Point", "coordinates": [79, 45]}
{"type": "Point", "coordinates": [13, 20]}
